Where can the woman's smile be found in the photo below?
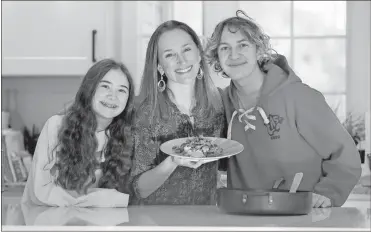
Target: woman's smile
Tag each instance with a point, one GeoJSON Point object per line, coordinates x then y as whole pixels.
{"type": "Point", "coordinates": [185, 70]}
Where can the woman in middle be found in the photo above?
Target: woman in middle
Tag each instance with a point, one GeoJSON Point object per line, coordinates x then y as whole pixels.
{"type": "Point", "coordinates": [179, 100]}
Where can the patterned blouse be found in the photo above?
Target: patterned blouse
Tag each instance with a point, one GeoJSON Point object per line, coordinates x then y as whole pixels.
{"type": "Point", "coordinates": [185, 186]}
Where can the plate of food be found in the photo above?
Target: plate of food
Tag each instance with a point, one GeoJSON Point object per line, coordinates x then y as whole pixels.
{"type": "Point", "coordinates": [202, 148]}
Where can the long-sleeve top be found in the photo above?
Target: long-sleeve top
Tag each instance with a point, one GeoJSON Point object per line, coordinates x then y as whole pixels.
{"type": "Point", "coordinates": [41, 188]}
{"type": "Point", "coordinates": [185, 185]}
{"type": "Point", "coordinates": [291, 129]}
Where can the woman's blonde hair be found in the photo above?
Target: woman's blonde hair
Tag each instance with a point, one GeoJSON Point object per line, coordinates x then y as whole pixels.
{"type": "Point", "coordinates": [250, 29]}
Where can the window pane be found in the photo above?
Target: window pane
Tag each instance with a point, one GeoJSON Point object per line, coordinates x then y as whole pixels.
{"type": "Point", "coordinates": [320, 63]}
{"type": "Point", "coordinates": [148, 28]}
{"type": "Point", "coordinates": [150, 17]}
{"type": "Point", "coordinates": [337, 102]}
{"type": "Point", "coordinates": [189, 12]}
{"type": "Point", "coordinates": [282, 46]}
{"type": "Point", "coordinates": [272, 16]}
{"type": "Point", "coordinates": [319, 18]}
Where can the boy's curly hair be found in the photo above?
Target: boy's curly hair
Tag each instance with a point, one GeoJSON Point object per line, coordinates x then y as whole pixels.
{"type": "Point", "coordinates": [250, 29]}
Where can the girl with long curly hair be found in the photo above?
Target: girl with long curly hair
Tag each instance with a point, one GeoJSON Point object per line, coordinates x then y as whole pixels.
{"type": "Point", "coordinates": [83, 156]}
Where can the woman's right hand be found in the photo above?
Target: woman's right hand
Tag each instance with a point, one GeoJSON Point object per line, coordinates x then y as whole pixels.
{"type": "Point", "coordinates": [189, 162]}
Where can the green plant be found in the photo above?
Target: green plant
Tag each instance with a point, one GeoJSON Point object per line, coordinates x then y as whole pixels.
{"type": "Point", "coordinates": [355, 125]}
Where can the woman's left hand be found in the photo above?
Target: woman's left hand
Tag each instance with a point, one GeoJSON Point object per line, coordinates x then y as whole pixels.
{"type": "Point", "coordinates": [319, 201]}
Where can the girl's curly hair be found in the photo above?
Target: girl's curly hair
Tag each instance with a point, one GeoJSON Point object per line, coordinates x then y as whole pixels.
{"type": "Point", "coordinates": [250, 29]}
{"type": "Point", "coordinates": [76, 162]}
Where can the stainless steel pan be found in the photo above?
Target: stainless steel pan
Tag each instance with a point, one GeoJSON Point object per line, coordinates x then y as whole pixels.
{"type": "Point", "coordinates": [266, 202]}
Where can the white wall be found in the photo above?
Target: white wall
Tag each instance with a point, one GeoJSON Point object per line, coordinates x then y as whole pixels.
{"type": "Point", "coordinates": [32, 100]}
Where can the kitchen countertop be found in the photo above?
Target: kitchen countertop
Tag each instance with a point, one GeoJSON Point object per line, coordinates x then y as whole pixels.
{"type": "Point", "coordinates": [355, 214]}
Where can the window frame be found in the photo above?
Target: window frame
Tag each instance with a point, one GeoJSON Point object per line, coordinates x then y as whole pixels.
{"type": "Point", "coordinates": [292, 38]}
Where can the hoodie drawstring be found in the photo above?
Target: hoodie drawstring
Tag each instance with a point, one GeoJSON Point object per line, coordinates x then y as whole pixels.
{"type": "Point", "coordinates": [250, 117]}
{"type": "Point", "coordinates": [263, 115]}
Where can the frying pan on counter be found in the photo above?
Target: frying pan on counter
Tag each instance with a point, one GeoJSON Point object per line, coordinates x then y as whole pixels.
{"type": "Point", "coordinates": [266, 202]}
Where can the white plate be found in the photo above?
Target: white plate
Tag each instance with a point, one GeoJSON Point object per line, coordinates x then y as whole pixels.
{"type": "Point", "coordinates": [230, 148]}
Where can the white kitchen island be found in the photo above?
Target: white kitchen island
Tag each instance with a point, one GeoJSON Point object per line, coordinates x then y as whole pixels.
{"type": "Point", "coordinates": [354, 215]}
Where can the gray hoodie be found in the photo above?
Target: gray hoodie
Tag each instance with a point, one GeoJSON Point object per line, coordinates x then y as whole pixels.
{"type": "Point", "coordinates": [292, 129]}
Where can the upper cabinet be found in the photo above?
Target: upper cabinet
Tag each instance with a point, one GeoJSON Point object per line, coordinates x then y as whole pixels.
{"type": "Point", "coordinates": [54, 37]}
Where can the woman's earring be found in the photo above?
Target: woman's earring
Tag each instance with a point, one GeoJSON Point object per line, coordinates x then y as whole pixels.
{"type": "Point", "coordinates": [200, 74]}
{"type": "Point", "coordinates": [161, 84]}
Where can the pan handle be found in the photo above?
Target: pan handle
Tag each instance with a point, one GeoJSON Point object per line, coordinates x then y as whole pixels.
{"type": "Point", "coordinates": [256, 194]}
{"type": "Point", "coordinates": [245, 196]}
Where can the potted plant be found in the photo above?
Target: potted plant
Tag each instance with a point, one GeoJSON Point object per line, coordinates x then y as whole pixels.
{"type": "Point", "coordinates": [356, 128]}
{"type": "Point", "coordinates": [30, 139]}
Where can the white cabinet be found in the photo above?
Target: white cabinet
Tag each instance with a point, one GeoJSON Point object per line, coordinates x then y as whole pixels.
{"type": "Point", "coordinates": [54, 37]}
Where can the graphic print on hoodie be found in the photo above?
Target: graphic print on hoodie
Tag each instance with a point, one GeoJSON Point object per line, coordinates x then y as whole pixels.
{"type": "Point", "coordinates": [291, 129]}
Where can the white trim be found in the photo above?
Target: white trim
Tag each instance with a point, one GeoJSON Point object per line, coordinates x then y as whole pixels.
{"type": "Point", "coordinates": [203, 20]}
{"type": "Point", "coordinates": [292, 43]}
{"type": "Point", "coordinates": [358, 56]}
{"type": "Point", "coordinates": [172, 228]}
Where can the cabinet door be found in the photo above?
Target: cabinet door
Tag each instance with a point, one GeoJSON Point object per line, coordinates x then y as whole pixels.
{"type": "Point", "coordinates": [52, 38]}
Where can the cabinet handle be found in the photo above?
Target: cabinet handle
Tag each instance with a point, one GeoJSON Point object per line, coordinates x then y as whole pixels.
{"type": "Point", "coordinates": [94, 32]}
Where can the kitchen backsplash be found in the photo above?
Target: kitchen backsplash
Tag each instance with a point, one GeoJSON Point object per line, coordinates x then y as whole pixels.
{"type": "Point", "coordinates": [32, 100]}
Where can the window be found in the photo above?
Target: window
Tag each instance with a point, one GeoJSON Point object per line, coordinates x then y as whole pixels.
{"type": "Point", "coordinates": [181, 12]}
{"type": "Point", "coordinates": [153, 13]}
{"type": "Point", "coordinates": [312, 35]}
{"type": "Point", "coordinates": [189, 12]}
{"type": "Point", "coordinates": [150, 17]}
